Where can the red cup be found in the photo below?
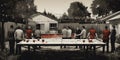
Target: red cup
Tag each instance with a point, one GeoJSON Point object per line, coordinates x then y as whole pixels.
{"type": "Point", "coordinates": [90, 40]}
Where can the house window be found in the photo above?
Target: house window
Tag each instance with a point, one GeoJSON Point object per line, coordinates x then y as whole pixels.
{"type": "Point", "coordinates": [41, 26]}
{"type": "Point", "coordinates": [53, 26]}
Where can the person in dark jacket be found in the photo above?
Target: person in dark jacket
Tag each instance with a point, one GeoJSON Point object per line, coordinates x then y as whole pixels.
{"type": "Point", "coordinates": [77, 36]}
{"type": "Point", "coordinates": [113, 38]}
{"type": "Point", "coordinates": [11, 39]}
{"type": "Point", "coordinates": [77, 32]}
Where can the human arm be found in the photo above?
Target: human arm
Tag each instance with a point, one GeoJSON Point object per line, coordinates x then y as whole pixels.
{"type": "Point", "coordinates": [15, 35]}
{"type": "Point", "coordinates": [88, 35]}
{"type": "Point", "coordinates": [96, 35]}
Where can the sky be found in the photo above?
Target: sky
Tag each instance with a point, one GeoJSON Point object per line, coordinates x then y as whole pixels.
{"type": "Point", "coordinates": [58, 7]}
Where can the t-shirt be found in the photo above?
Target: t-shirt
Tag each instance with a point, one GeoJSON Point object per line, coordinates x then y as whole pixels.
{"type": "Point", "coordinates": [83, 33]}
{"type": "Point", "coordinates": [92, 33]}
{"type": "Point", "coordinates": [19, 35]}
{"type": "Point", "coordinates": [11, 34]}
{"type": "Point", "coordinates": [37, 33]}
{"type": "Point", "coordinates": [69, 33]}
{"type": "Point", "coordinates": [64, 33]}
{"type": "Point", "coordinates": [28, 33]}
{"type": "Point", "coordinates": [106, 34]}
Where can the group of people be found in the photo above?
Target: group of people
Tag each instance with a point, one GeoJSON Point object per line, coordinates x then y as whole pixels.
{"type": "Point", "coordinates": [19, 34]}
{"type": "Point", "coordinates": [107, 35]}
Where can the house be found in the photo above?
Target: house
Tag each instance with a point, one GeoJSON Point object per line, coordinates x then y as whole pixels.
{"type": "Point", "coordinates": [45, 23]}
{"type": "Point", "coordinates": [113, 19]}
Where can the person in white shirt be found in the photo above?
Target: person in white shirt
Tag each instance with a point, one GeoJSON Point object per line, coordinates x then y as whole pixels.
{"type": "Point", "coordinates": [64, 34]}
{"type": "Point", "coordinates": [83, 32]}
{"type": "Point", "coordinates": [19, 35]}
{"type": "Point", "coordinates": [37, 33]}
{"type": "Point", "coordinates": [69, 33]}
{"type": "Point", "coordinates": [83, 35]}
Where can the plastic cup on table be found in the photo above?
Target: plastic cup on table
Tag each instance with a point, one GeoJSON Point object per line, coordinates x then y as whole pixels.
{"type": "Point", "coordinates": [90, 40]}
{"type": "Point", "coordinates": [27, 41]}
{"type": "Point", "coordinates": [43, 40]}
{"type": "Point", "coordinates": [34, 41]}
{"type": "Point", "coordinates": [83, 40]}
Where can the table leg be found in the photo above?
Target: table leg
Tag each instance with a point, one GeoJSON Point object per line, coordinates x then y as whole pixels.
{"type": "Point", "coordinates": [94, 49]}
{"type": "Point", "coordinates": [28, 48]}
{"type": "Point", "coordinates": [103, 48]}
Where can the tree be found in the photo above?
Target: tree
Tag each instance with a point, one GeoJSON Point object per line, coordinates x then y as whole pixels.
{"type": "Point", "coordinates": [100, 7]}
{"type": "Point", "coordinates": [103, 7]}
{"type": "Point", "coordinates": [50, 15]}
{"type": "Point", "coordinates": [114, 5]}
{"type": "Point", "coordinates": [18, 8]}
{"type": "Point", "coordinates": [25, 8]}
{"type": "Point", "coordinates": [77, 9]}
{"type": "Point", "coordinates": [64, 16]}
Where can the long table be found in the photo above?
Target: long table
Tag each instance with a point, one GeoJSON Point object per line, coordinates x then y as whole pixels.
{"type": "Point", "coordinates": [59, 42]}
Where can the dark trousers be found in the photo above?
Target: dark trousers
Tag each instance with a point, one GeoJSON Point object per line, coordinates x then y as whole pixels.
{"type": "Point", "coordinates": [78, 37]}
{"type": "Point", "coordinates": [113, 44]}
{"type": "Point", "coordinates": [64, 38]}
{"type": "Point", "coordinates": [17, 49]}
{"type": "Point", "coordinates": [11, 45]}
{"type": "Point", "coordinates": [107, 44]}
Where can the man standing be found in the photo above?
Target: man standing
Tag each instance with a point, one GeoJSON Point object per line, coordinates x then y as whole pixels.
{"type": "Point", "coordinates": [11, 39]}
{"type": "Point", "coordinates": [18, 35]}
{"type": "Point", "coordinates": [92, 33]}
{"type": "Point", "coordinates": [64, 34]}
{"type": "Point", "coordinates": [37, 33]}
{"type": "Point", "coordinates": [113, 38]}
{"type": "Point", "coordinates": [77, 35]}
{"type": "Point", "coordinates": [77, 32]}
{"type": "Point", "coordinates": [69, 33]}
{"type": "Point", "coordinates": [28, 32]}
{"type": "Point", "coordinates": [83, 32]}
{"type": "Point", "coordinates": [106, 34]}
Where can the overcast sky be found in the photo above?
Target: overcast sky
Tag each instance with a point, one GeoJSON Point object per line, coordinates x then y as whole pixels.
{"type": "Point", "coordinates": [58, 7]}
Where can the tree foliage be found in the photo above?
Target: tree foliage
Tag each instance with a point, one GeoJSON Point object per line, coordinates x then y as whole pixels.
{"type": "Point", "coordinates": [103, 7]}
{"type": "Point", "coordinates": [25, 8]}
{"type": "Point", "coordinates": [50, 15]}
{"type": "Point", "coordinates": [64, 16]}
{"type": "Point", "coordinates": [77, 9]}
{"type": "Point", "coordinates": [18, 9]}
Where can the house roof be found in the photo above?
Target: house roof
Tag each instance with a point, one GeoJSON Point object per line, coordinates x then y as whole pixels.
{"type": "Point", "coordinates": [113, 16]}
{"type": "Point", "coordinates": [39, 18]}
